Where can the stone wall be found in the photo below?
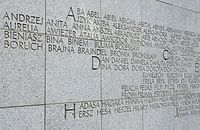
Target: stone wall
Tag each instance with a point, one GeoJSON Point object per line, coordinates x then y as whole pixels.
{"type": "Point", "coordinates": [100, 65]}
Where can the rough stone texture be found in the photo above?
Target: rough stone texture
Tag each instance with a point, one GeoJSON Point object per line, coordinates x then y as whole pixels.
{"type": "Point", "coordinates": [22, 71]}
{"type": "Point", "coordinates": [56, 120]}
{"type": "Point", "coordinates": [22, 118]}
{"type": "Point", "coordinates": [100, 65]}
{"type": "Point", "coordinates": [69, 75]}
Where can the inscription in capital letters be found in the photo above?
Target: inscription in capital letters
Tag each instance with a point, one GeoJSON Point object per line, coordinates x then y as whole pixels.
{"type": "Point", "coordinates": [117, 44]}
{"type": "Point", "coordinates": [166, 58]}
{"type": "Point", "coordinates": [21, 31]}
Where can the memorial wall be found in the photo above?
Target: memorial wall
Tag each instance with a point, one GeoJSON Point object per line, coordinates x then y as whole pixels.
{"type": "Point", "coordinates": [100, 65]}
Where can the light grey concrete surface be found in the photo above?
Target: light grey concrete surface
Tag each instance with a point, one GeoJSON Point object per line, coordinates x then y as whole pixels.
{"type": "Point", "coordinates": [22, 118]}
{"type": "Point", "coordinates": [69, 73]}
{"type": "Point", "coordinates": [22, 53]}
{"type": "Point", "coordinates": [100, 65]}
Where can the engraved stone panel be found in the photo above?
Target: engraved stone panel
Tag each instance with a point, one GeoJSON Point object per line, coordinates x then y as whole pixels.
{"type": "Point", "coordinates": [117, 74]}
{"type": "Point", "coordinates": [61, 117]}
{"type": "Point", "coordinates": [100, 65]}
{"type": "Point", "coordinates": [70, 55]}
{"type": "Point", "coordinates": [22, 52]}
{"type": "Point", "coordinates": [160, 15]}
